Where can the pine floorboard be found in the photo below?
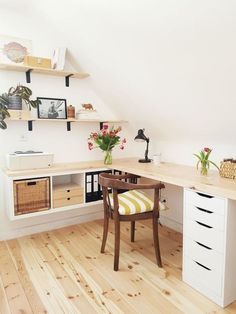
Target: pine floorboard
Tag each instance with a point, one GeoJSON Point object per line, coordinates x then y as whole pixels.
{"type": "Point", "coordinates": [62, 271]}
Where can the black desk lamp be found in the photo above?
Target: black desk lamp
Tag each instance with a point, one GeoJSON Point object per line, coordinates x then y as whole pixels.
{"type": "Point", "coordinates": [142, 138]}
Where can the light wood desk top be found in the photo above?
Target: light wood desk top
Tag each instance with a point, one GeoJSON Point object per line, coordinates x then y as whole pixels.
{"type": "Point", "coordinates": [184, 176]}
{"type": "Point", "coordinates": [181, 175]}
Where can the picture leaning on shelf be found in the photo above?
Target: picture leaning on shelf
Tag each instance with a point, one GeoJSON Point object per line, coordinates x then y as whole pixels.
{"type": "Point", "coordinates": [52, 108]}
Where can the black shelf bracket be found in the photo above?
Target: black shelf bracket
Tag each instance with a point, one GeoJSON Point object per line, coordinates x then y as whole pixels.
{"type": "Point", "coordinates": [30, 125]}
{"type": "Point", "coordinates": [102, 123]}
{"type": "Point", "coordinates": [27, 75]}
{"type": "Point", "coordinates": [67, 80]}
{"type": "Point", "coordinates": [68, 124]}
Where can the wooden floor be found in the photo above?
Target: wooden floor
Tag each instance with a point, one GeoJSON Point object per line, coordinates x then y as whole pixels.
{"type": "Point", "coordinates": [62, 271]}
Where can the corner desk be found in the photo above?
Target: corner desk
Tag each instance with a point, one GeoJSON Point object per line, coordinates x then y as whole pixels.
{"type": "Point", "coordinates": [209, 223]}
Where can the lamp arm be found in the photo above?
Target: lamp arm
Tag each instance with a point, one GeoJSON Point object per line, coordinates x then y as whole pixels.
{"type": "Point", "coordinates": [146, 151]}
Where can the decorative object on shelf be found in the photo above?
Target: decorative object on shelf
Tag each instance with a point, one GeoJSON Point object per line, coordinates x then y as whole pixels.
{"type": "Point", "coordinates": [52, 108]}
{"type": "Point", "coordinates": [106, 139]}
{"type": "Point", "coordinates": [87, 113]}
{"type": "Point", "coordinates": [71, 112]}
{"type": "Point", "coordinates": [37, 62]}
{"type": "Point", "coordinates": [203, 160]}
{"type": "Point", "coordinates": [141, 137]}
{"type": "Point", "coordinates": [228, 168]}
{"type": "Point", "coordinates": [59, 58]}
{"type": "Point", "coordinates": [87, 107]}
{"type": "Point", "coordinates": [13, 50]}
{"type": "Point", "coordinates": [13, 101]}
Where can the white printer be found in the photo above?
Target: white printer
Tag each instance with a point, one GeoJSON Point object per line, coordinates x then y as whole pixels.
{"type": "Point", "coordinates": [23, 160]}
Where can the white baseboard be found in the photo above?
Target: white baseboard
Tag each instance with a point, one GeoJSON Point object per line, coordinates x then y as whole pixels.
{"type": "Point", "coordinates": [175, 225]}
{"type": "Point", "coordinates": [77, 219]}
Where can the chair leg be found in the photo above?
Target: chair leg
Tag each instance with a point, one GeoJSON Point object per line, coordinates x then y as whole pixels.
{"type": "Point", "coordinates": [156, 240]}
{"type": "Point", "coordinates": [132, 230]}
{"type": "Point", "coordinates": [105, 231]}
{"type": "Point", "coordinates": [117, 243]}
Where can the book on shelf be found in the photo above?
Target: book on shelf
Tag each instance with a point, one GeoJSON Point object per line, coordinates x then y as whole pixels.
{"type": "Point", "coordinates": [87, 114]}
{"type": "Point", "coordinates": [58, 58]}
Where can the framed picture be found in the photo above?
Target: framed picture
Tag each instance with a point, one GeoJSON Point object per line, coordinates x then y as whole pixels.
{"type": "Point", "coordinates": [13, 49]}
{"type": "Point", "coordinates": [52, 108]}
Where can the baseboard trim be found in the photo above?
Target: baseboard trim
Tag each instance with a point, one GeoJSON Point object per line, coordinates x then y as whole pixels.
{"type": "Point", "coordinates": [172, 224]}
{"type": "Point", "coordinates": [20, 232]}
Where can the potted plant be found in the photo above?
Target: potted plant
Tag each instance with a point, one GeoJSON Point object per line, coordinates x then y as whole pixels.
{"type": "Point", "coordinates": [13, 100]}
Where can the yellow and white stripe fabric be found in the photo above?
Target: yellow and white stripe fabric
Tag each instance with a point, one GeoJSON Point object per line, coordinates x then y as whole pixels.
{"type": "Point", "coordinates": [133, 202]}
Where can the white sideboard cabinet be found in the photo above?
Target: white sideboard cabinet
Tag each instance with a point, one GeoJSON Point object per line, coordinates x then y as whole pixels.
{"type": "Point", "coordinates": [67, 190]}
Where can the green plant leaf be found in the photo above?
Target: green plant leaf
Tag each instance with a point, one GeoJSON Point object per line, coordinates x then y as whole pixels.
{"type": "Point", "coordinates": [214, 164]}
{"type": "Point", "coordinates": [3, 125]}
{"type": "Point", "coordinates": [197, 156]}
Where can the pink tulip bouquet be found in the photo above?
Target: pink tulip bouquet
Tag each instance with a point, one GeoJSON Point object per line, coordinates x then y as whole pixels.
{"type": "Point", "coordinates": [106, 139]}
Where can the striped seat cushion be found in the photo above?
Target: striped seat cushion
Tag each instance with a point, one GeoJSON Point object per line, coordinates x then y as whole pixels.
{"type": "Point", "coordinates": [133, 202]}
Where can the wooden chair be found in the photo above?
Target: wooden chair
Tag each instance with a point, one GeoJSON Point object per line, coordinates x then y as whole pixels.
{"type": "Point", "coordinates": [121, 207]}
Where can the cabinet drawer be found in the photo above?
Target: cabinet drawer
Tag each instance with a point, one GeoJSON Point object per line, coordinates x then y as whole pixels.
{"type": "Point", "coordinates": [208, 236]}
{"type": "Point", "coordinates": [194, 271]}
{"type": "Point", "coordinates": [204, 255]}
{"type": "Point", "coordinates": [205, 201]}
{"type": "Point", "coordinates": [67, 190]}
{"type": "Point", "coordinates": [67, 201]}
{"type": "Point", "coordinates": [205, 216]}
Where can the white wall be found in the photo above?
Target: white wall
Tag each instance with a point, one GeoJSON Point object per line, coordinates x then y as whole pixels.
{"type": "Point", "coordinates": [169, 65]}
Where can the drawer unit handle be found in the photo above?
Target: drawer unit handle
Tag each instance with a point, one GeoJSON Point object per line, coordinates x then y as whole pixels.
{"type": "Point", "coordinates": [205, 195]}
{"type": "Point", "coordinates": [204, 225]}
{"type": "Point", "coordinates": [67, 191]}
{"type": "Point", "coordinates": [68, 198]}
{"type": "Point", "coordinates": [202, 266]}
{"type": "Point", "coordinates": [203, 245]}
{"type": "Point", "coordinates": [204, 210]}
{"type": "Point", "coordinates": [32, 183]}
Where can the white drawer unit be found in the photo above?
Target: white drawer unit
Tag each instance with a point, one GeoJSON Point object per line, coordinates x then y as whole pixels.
{"type": "Point", "coordinates": [209, 263]}
{"type": "Point", "coordinates": [205, 216]}
{"type": "Point", "coordinates": [207, 277]}
{"type": "Point", "coordinates": [205, 234]}
{"type": "Point", "coordinates": [205, 201]}
{"type": "Point", "coordinates": [204, 255]}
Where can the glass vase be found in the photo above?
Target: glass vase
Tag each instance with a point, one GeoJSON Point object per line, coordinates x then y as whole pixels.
{"type": "Point", "coordinates": [107, 157]}
{"type": "Point", "coordinates": [204, 169]}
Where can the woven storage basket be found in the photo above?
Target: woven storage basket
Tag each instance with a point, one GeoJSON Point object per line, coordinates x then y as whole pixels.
{"type": "Point", "coordinates": [31, 195]}
{"type": "Point", "coordinates": [228, 169]}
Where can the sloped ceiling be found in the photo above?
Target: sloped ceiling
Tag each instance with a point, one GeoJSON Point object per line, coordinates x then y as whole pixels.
{"type": "Point", "coordinates": [165, 65]}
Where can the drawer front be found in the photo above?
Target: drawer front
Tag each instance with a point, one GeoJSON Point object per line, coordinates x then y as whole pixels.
{"type": "Point", "coordinates": [205, 255]}
{"type": "Point", "coordinates": [205, 216]}
{"type": "Point", "coordinates": [67, 201]}
{"type": "Point", "coordinates": [194, 271]}
{"type": "Point", "coordinates": [67, 192]}
{"type": "Point", "coordinates": [205, 201]}
{"type": "Point", "coordinates": [209, 236]}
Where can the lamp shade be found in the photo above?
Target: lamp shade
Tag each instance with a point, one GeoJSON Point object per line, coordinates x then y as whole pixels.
{"type": "Point", "coordinates": [140, 137]}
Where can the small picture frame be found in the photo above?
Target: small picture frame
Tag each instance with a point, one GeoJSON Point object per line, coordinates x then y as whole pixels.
{"type": "Point", "coordinates": [52, 108]}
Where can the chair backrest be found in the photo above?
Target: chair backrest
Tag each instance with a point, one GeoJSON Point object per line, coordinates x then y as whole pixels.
{"type": "Point", "coordinates": [114, 182]}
